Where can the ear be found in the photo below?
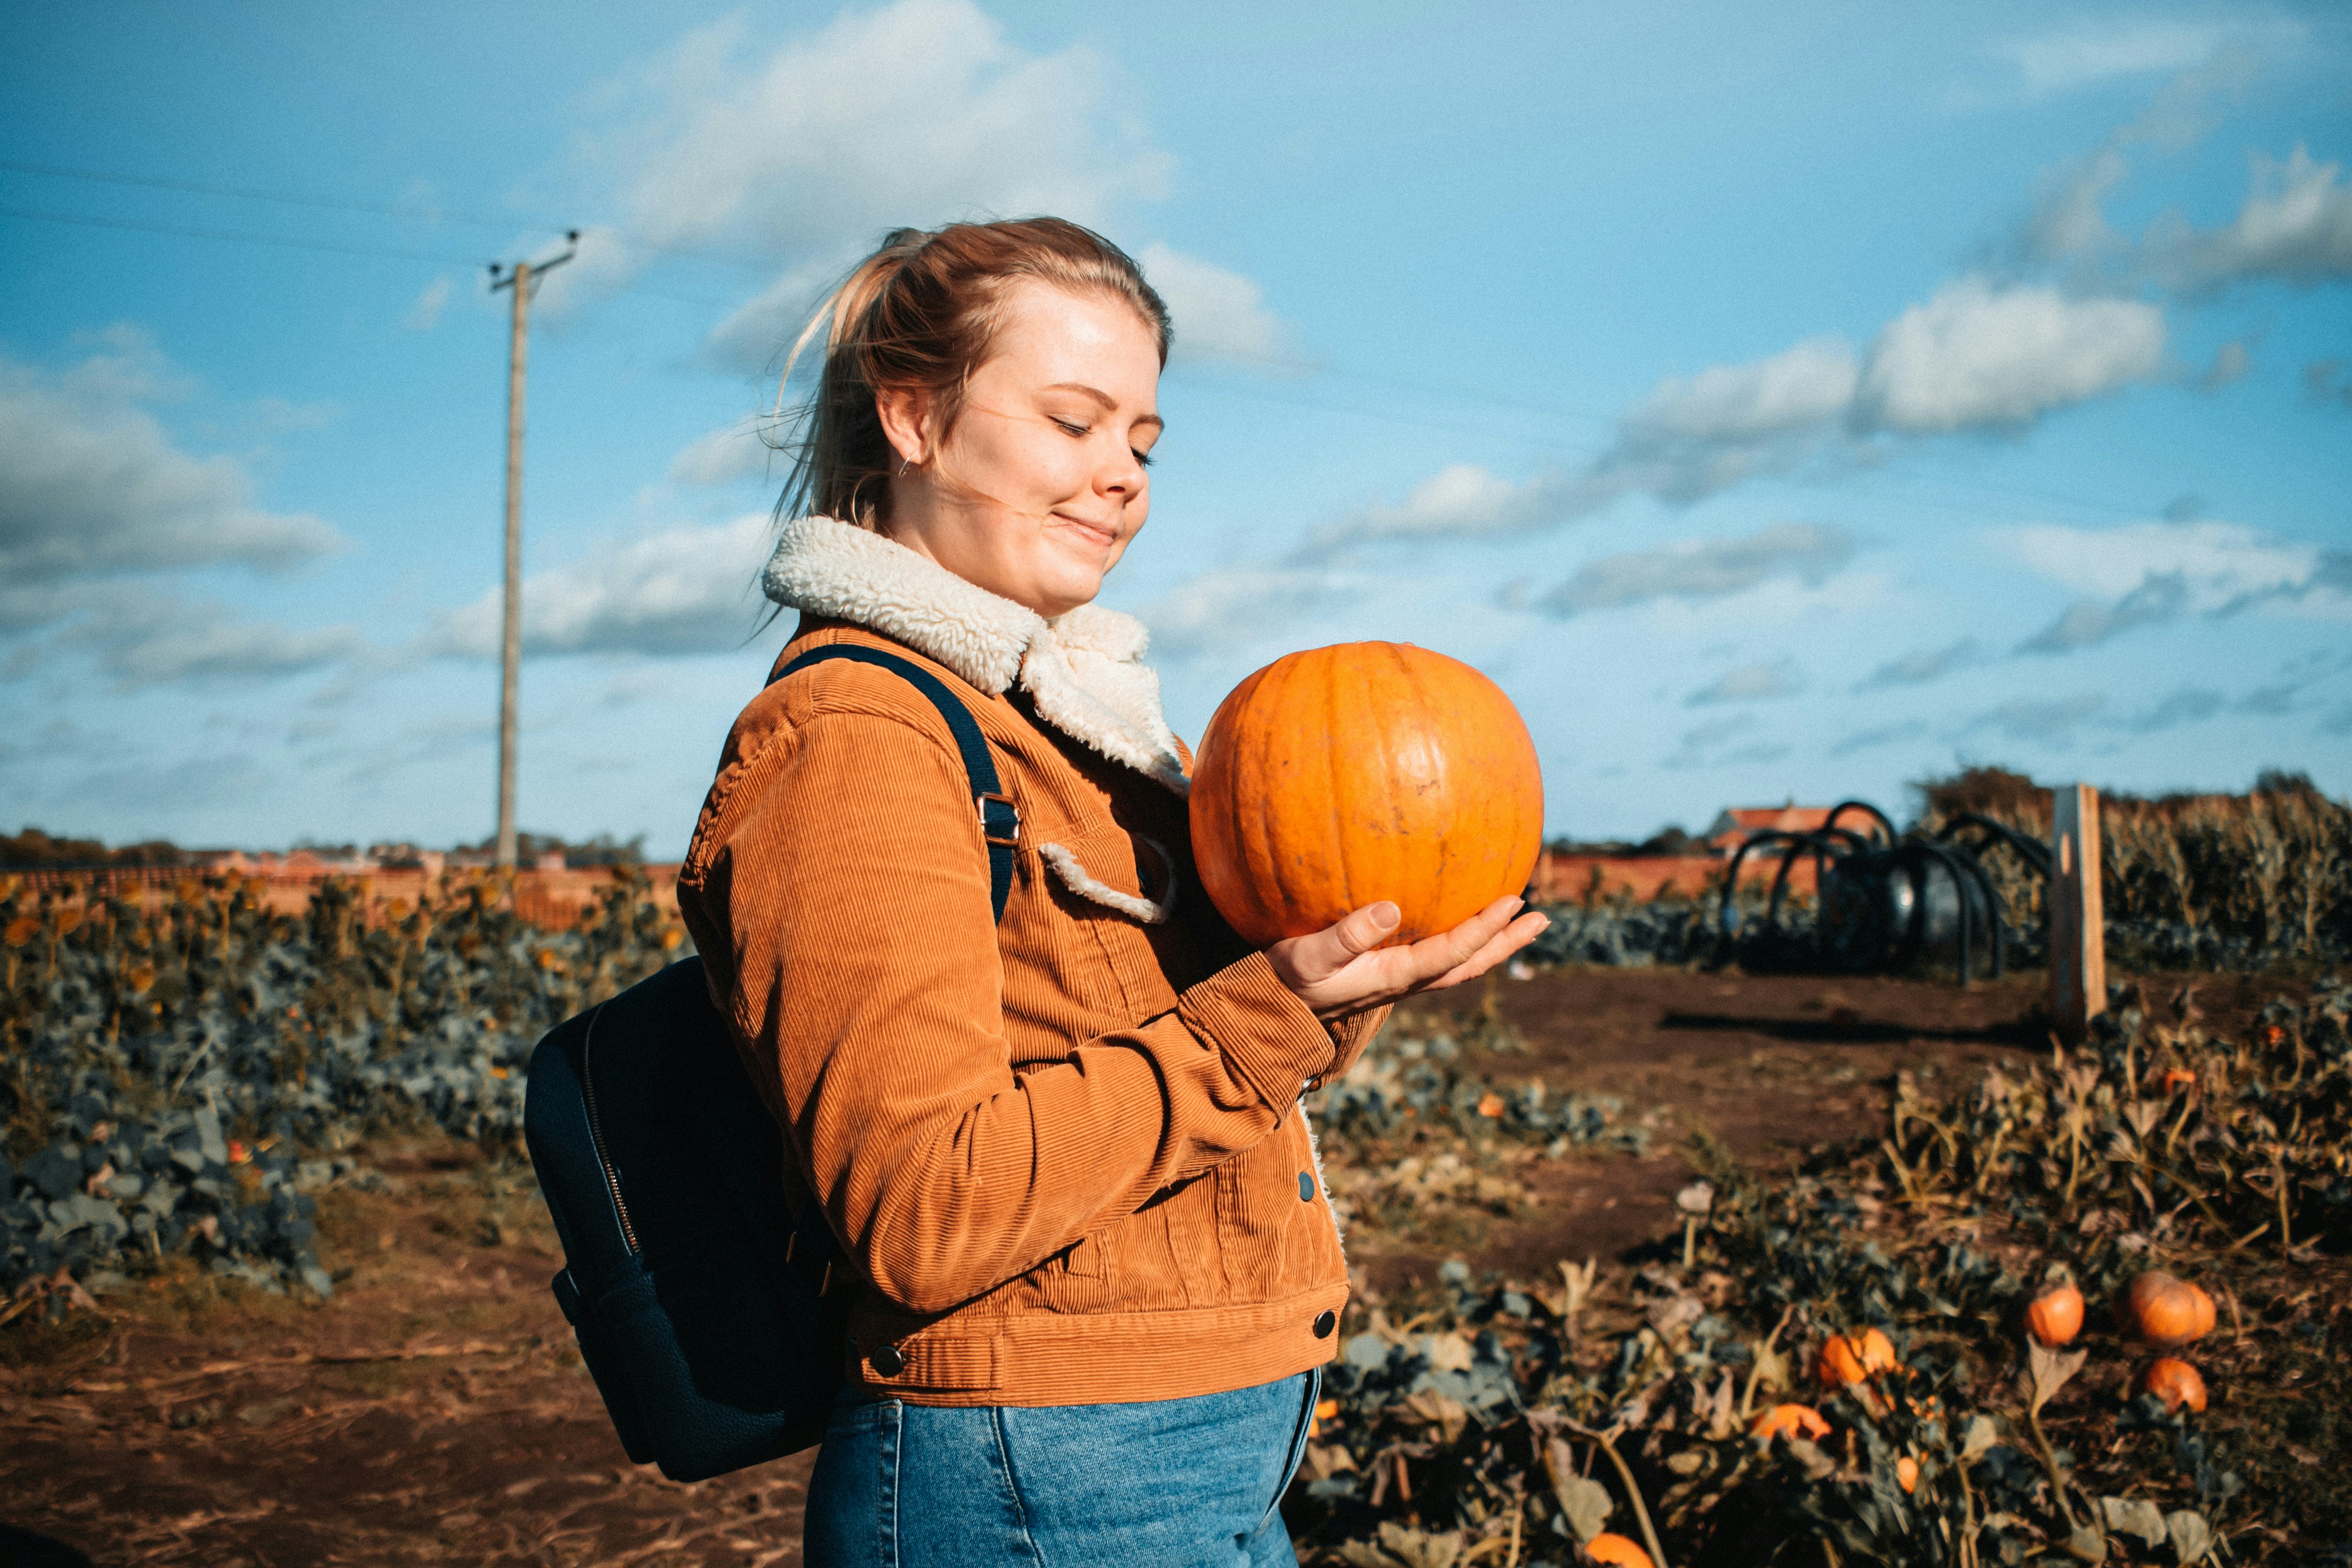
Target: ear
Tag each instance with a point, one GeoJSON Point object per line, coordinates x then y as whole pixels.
{"type": "Point", "coordinates": [906, 416]}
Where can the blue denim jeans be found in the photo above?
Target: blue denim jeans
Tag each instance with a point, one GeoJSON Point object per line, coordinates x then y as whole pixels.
{"type": "Point", "coordinates": [1173, 1483]}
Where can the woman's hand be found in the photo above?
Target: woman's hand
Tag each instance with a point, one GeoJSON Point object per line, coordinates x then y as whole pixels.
{"type": "Point", "coordinates": [1342, 968]}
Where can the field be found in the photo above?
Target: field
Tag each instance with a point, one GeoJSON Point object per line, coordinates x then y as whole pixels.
{"type": "Point", "coordinates": [1601, 1218]}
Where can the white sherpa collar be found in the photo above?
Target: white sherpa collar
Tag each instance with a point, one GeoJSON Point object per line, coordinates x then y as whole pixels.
{"type": "Point", "coordinates": [1084, 669]}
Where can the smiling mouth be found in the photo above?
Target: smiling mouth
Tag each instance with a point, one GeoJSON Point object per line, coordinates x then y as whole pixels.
{"type": "Point", "coordinates": [1096, 533]}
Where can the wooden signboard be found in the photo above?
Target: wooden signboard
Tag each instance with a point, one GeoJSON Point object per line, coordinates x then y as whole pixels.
{"type": "Point", "coordinates": [2078, 947]}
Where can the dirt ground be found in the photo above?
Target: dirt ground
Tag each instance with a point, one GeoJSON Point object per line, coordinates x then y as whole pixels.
{"type": "Point", "coordinates": [435, 1410]}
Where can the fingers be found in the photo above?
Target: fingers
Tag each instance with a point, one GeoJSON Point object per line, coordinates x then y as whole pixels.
{"type": "Point", "coordinates": [1315, 957]}
{"type": "Point", "coordinates": [1438, 955]}
{"type": "Point", "coordinates": [1509, 940]}
{"type": "Point", "coordinates": [1364, 929]}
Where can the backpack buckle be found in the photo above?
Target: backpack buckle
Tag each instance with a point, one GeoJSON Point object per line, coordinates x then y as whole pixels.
{"type": "Point", "coordinates": [1000, 820]}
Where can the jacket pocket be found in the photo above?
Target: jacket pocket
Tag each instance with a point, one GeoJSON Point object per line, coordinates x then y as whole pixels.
{"type": "Point", "coordinates": [1108, 867]}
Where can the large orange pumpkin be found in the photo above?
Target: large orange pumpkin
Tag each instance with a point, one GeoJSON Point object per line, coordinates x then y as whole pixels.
{"type": "Point", "coordinates": [1615, 1549]}
{"type": "Point", "coordinates": [1340, 776]}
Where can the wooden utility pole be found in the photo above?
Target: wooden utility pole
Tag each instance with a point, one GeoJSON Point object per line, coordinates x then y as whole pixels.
{"type": "Point", "coordinates": [2078, 928]}
{"type": "Point", "coordinates": [523, 278]}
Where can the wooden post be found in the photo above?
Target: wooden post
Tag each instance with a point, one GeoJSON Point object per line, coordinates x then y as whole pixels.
{"type": "Point", "coordinates": [524, 278]}
{"type": "Point", "coordinates": [2078, 931]}
{"type": "Point", "coordinates": [511, 638]}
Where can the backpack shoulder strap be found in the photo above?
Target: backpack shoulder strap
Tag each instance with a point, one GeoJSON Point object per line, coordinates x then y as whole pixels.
{"type": "Point", "coordinates": [1000, 821]}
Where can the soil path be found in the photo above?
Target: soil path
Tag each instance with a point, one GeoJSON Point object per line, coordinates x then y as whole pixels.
{"type": "Point", "coordinates": [435, 1411]}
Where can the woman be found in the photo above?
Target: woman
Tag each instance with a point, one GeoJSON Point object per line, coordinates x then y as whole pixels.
{"type": "Point", "coordinates": [1095, 1273]}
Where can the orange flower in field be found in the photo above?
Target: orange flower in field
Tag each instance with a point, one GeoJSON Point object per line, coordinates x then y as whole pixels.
{"type": "Point", "coordinates": [1788, 1420]}
{"type": "Point", "coordinates": [238, 1154]}
{"type": "Point", "coordinates": [2274, 1035]}
{"type": "Point", "coordinates": [1490, 1104]}
{"type": "Point", "coordinates": [1907, 1473]}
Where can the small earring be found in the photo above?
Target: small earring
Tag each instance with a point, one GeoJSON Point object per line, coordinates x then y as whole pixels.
{"type": "Point", "coordinates": [902, 468]}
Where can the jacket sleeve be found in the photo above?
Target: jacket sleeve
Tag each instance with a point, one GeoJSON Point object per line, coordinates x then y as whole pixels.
{"type": "Point", "coordinates": [852, 892]}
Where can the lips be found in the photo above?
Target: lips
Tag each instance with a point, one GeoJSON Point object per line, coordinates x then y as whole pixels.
{"type": "Point", "coordinates": [1102, 534]}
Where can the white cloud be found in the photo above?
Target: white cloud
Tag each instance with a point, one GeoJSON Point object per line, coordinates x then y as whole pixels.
{"type": "Point", "coordinates": [1704, 569]}
{"type": "Point", "coordinates": [1748, 683]}
{"type": "Point", "coordinates": [724, 456]}
{"type": "Point", "coordinates": [2086, 54]}
{"type": "Point", "coordinates": [1237, 605]}
{"type": "Point", "coordinates": [2050, 721]}
{"type": "Point", "coordinates": [2086, 623]}
{"type": "Point", "coordinates": [1464, 499]}
{"type": "Point", "coordinates": [2230, 362]}
{"type": "Point", "coordinates": [91, 484]}
{"type": "Point", "coordinates": [424, 314]}
{"type": "Point", "coordinates": [916, 112]}
{"type": "Point", "coordinates": [1922, 666]}
{"type": "Point", "coordinates": [2294, 227]}
{"type": "Point", "coordinates": [203, 645]}
{"type": "Point", "coordinates": [2147, 573]}
{"type": "Point", "coordinates": [686, 589]}
{"type": "Point", "coordinates": [1218, 315]}
{"type": "Point", "coordinates": [1975, 357]}
{"type": "Point", "coordinates": [2222, 565]}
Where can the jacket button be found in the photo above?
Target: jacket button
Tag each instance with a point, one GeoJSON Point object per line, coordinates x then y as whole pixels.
{"type": "Point", "coordinates": [891, 1362]}
{"type": "Point", "coordinates": [1324, 1323]}
{"type": "Point", "coordinates": [1305, 1187]}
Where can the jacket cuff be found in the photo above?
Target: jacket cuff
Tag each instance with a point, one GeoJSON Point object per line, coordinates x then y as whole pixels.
{"type": "Point", "coordinates": [1351, 1034]}
{"type": "Point", "coordinates": [1274, 1039]}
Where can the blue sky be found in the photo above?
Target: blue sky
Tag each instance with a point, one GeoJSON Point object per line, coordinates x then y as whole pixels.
{"type": "Point", "coordinates": [1779, 401]}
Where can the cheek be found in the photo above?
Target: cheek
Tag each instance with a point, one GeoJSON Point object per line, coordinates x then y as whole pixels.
{"type": "Point", "coordinates": [1029, 464]}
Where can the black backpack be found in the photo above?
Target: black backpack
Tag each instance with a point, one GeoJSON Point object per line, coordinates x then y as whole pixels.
{"type": "Point", "coordinates": [701, 1301]}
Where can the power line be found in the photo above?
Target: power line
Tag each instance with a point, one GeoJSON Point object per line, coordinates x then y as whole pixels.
{"type": "Point", "coordinates": [280, 242]}
{"type": "Point", "coordinates": [348, 204]}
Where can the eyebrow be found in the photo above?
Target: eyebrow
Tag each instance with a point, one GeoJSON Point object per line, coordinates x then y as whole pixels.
{"type": "Point", "coordinates": [1104, 398]}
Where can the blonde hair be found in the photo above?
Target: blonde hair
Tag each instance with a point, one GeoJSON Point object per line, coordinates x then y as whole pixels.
{"type": "Point", "coordinates": [923, 312]}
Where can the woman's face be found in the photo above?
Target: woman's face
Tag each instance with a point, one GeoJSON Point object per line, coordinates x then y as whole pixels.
{"type": "Point", "coordinates": [1036, 492]}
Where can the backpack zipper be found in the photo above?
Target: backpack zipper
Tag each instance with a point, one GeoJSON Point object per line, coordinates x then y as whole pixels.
{"type": "Point", "coordinates": [596, 1136]}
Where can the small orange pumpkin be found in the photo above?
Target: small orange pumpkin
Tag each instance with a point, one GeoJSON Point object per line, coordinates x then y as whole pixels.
{"type": "Point", "coordinates": [1907, 1473]}
{"type": "Point", "coordinates": [2174, 1382]}
{"type": "Point", "coordinates": [1343, 776]}
{"type": "Point", "coordinates": [2165, 1311]}
{"type": "Point", "coordinates": [1788, 1420]}
{"type": "Point", "coordinates": [1607, 1547]}
{"type": "Point", "coordinates": [1849, 1358]}
{"type": "Point", "coordinates": [2055, 1315]}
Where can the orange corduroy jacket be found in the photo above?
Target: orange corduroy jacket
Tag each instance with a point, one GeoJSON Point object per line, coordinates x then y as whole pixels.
{"type": "Point", "coordinates": [1064, 1152]}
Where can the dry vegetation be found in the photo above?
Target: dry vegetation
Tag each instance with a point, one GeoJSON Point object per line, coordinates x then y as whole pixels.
{"type": "Point", "coordinates": [215, 1117]}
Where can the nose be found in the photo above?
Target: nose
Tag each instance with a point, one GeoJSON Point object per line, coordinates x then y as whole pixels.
{"type": "Point", "coordinates": [1122, 478]}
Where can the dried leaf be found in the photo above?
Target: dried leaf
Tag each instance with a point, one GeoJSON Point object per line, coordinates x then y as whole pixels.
{"type": "Point", "coordinates": [2048, 1371]}
{"type": "Point", "coordinates": [1817, 1465]}
{"type": "Point", "coordinates": [1327, 1460]}
{"type": "Point", "coordinates": [1421, 1549]}
{"type": "Point", "coordinates": [1584, 1501]}
{"type": "Point", "coordinates": [2134, 1516]}
{"type": "Point", "coordinates": [2086, 1544]}
{"type": "Point", "coordinates": [1441, 1411]}
{"type": "Point", "coordinates": [1448, 1351]}
{"type": "Point", "coordinates": [2192, 1538]}
{"type": "Point", "coordinates": [1978, 1439]}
